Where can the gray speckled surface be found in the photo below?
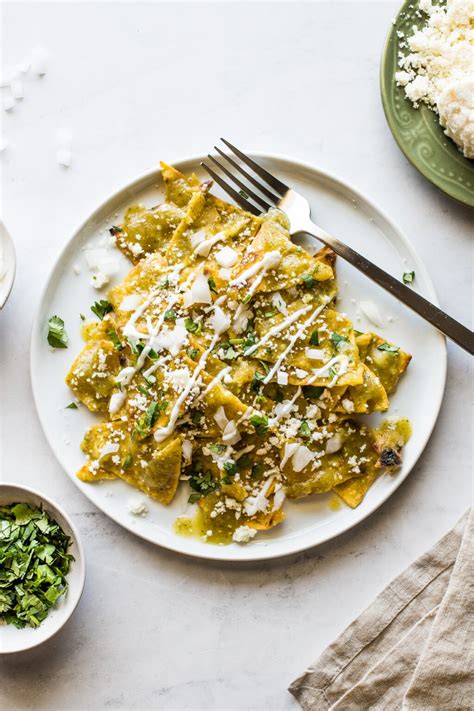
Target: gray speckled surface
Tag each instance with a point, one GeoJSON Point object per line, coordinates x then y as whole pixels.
{"type": "Point", "coordinates": [154, 629]}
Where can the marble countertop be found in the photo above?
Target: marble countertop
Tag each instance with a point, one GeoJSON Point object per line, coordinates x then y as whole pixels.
{"type": "Point", "coordinates": [135, 82]}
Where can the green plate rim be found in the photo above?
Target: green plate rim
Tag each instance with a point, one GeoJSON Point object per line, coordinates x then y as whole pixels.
{"type": "Point", "coordinates": [463, 195]}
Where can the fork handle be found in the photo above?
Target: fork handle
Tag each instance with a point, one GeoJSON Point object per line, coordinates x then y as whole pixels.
{"type": "Point", "coordinates": [431, 313]}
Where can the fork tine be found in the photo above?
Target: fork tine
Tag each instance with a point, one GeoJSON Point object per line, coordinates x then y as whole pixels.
{"type": "Point", "coordinates": [256, 198]}
{"type": "Point", "coordinates": [249, 177]}
{"type": "Point", "coordinates": [276, 184]}
{"type": "Point", "coordinates": [244, 204]}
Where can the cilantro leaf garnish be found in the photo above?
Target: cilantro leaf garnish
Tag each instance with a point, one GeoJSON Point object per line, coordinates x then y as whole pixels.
{"type": "Point", "coordinates": [212, 285]}
{"type": "Point", "coordinates": [192, 326]}
{"type": "Point", "coordinates": [314, 339]}
{"type": "Point", "coordinates": [115, 340]}
{"type": "Point", "coordinates": [202, 483]}
{"type": "Point", "coordinates": [57, 336]}
{"type": "Point", "coordinates": [148, 419]}
{"type": "Point", "coordinates": [260, 422]}
{"type": "Point", "coordinates": [247, 298]}
{"type": "Point", "coordinates": [308, 281]}
{"type": "Point", "coordinates": [71, 406]}
{"type": "Point", "coordinates": [217, 448]}
{"type": "Point", "coordinates": [101, 308]}
{"type": "Point", "coordinates": [230, 467]}
{"type": "Point", "coordinates": [34, 563]}
{"type": "Point", "coordinates": [115, 229]}
{"type": "Point", "coordinates": [388, 347]}
{"type": "Point", "coordinates": [170, 315]}
{"type": "Point", "coordinates": [337, 339]}
{"type": "Point", "coordinates": [408, 277]}
{"type": "Point", "coordinates": [304, 430]}
{"type": "Point", "coordinates": [127, 462]}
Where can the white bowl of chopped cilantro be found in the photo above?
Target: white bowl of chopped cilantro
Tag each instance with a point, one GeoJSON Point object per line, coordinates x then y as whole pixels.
{"type": "Point", "coordinates": [42, 569]}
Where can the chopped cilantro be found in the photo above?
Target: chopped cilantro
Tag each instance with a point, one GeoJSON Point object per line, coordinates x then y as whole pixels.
{"type": "Point", "coordinates": [127, 462]}
{"type": "Point", "coordinates": [212, 285]}
{"type": "Point", "coordinates": [236, 341]}
{"type": "Point", "coordinates": [72, 406]}
{"type": "Point", "coordinates": [192, 353]}
{"type": "Point", "coordinates": [260, 422]}
{"type": "Point", "coordinates": [34, 563]}
{"type": "Point", "coordinates": [114, 229]}
{"type": "Point", "coordinates": [308, 281]}
{"type": "Point", "coordinates": [57, 336]}
{"type": "Point", "coordinates": [247, 298]}
{"type": "Point", "coordinates": [193, 498]}
{"type": "Point", "coordinates": [101, 308]}
{"type": "Point", "coordinates": [279, 396]}
{"type": "Point", "coordinates": [83, 318]}
{"type": "Point", "coordinates": [304, 430]}
{"type": "Point", "coordinates": [332, 373]}
{"type": "Point", "coordinates": [313, 391]}
{"type": "Point", "coordinates": [170, 315]}
{"type": "Point", "coordinates": [196, 416]}
{"type": "Point", "coordinates": [337, 339]}
{"type": "Point", "coordinates": [192, 326]}
{"type": "Point", "coordinates": [229, 351]}
{"type": "Point", "coordinates": [314, 339]}
{"type": "Point", "coordinates": [115, 340]}
{"type": "Point", "coordinates": [203, 483]}
{"type": "Point", "coordinates": [217, 448]}
{"type": "Point", "coordinates": [230, 467]}
{"type": "Point", "coordinates": [388, 347]}
{"type": "Point", "coordinates": [148, 419]}
{"type": "Point", "coordinates": [408, 277]}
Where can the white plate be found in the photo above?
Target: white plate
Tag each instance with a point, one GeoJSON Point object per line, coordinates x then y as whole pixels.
{"type": "Point", "coordinates": [341, 211]}
{"type": "Point", "coordinates": [19, 640]}
{"type": "Point", "coordinates": [7, 264]}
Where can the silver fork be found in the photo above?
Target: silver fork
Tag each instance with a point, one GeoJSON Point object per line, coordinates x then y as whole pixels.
{"type": "Point", "coordinates": [297, 209]}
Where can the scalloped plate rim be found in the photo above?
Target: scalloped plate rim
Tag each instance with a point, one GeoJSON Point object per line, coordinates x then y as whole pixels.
{"type": "Point", "coordinates": [432, 177]}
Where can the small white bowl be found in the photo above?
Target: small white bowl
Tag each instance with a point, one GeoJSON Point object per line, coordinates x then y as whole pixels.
{"type": "Point", "coordinates": [19, 640]}
{"type": "Point", "coordinates": [7, 264]}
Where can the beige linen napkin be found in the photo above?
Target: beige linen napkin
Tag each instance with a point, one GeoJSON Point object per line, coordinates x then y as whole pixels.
{"type": "Point", "coordinates": [413, 648]}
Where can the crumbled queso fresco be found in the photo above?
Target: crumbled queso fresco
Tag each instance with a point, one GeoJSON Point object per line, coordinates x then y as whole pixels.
{"type": "Point", "coordinates": [437, 67]}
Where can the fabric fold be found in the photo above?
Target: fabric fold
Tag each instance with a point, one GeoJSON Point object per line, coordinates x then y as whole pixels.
{"type": "Point", "coordinates": [397, 648]}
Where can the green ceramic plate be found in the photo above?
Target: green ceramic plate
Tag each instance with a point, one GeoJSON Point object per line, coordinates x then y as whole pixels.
{"type": "Point", "coordinates": [417, 131]}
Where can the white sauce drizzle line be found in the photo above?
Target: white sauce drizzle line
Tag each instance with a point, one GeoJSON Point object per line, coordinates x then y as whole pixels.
{"type": "Point", "coordinates": [221, 374]}
{"type": "Point", "coordinates": [272, 259]}
{"type": "Point", "coordinates": [203, 248]}
{"type": "Point", "coordinates": [341, 358]}
{"type": "Point", "coordinates": [299, 334]}
{"type": "Point", "coordinates": [287, 410]}
{"type": "Point", "coordinates": [163, 432]}
{"type": "Point", "coordinates": [118, 399]}
{"type": "Point", "coordinates": [276, 329]}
